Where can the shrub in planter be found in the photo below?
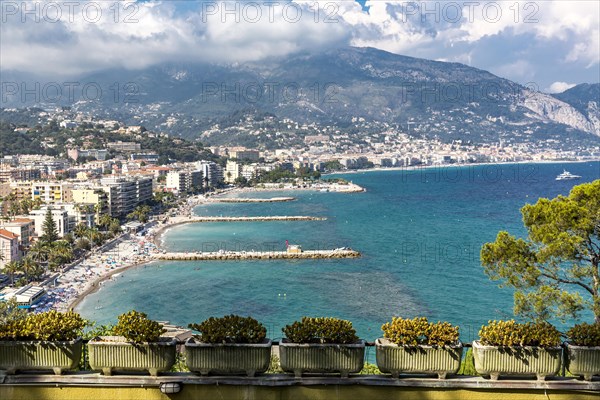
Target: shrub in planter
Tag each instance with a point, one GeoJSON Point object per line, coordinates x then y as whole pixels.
{"type": "Point", "coordinates": [49, 340]}
{"type": "Point", "coordinates": [321, 345]}
{"type": "Point", "coordinates": [583, 350]}
{"type": "Point", "coordinates": [418, 346]}
{"type": "Point", "coordinates": [230, 345]}
{"type": "Point", "coordinates": [137, 328]}
{"type": "Point", "coordinates": [511, 348]}
{"type": "Point", "coordinates": [138, 347]}
{"type": "Point", "coordinates": [230, 329]}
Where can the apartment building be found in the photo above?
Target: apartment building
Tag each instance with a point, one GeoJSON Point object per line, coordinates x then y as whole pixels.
{"type": "Point", "coordinates": [59, 215]}
{"type": "Point", "coordinates": [183, 181]}
{"type": "Point", "coordinates": [126, 193]}
{"type": "Point", "coordinates": [9, 247]}
{"type": "Point", "coordinates": [212, 173]}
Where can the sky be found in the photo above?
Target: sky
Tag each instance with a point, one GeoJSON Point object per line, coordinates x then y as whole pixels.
{"type": "Point", "coordinates": [550, 45]}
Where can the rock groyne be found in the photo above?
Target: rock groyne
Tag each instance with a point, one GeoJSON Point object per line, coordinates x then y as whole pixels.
{"type": "Point", "coordinates": [256, 255]}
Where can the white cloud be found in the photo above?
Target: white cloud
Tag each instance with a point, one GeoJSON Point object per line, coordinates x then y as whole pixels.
{"type": "Point", "coordinates": [159, 33]}
{"type": "Point", "coordinates": [559, 87]}
{"type": "Point", "coordinates": [429, 29]}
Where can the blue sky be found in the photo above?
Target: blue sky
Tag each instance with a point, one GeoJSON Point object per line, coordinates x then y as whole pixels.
{"type": "Point", "coordinates": [552, 44]}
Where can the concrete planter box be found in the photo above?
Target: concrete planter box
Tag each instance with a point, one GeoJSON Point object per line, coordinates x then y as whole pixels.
{"type": "Point", "coordinates": [524, 361]}
{"type": "Point", "coordinates": [228, 359]}
{"type": "Point", "coordinates": [39, 355]}
{"type": "Point", "coordinates": [395, 359]}
{"type": "Point", "coordinates": [108, 353]}
{"type": "Point", "coordinates": [583, 361]}
{"type": "Point", "coordinates": [322, 358]}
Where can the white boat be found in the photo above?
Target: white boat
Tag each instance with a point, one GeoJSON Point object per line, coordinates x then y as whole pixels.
{"type": "Point", "coordinates": [566, 175]}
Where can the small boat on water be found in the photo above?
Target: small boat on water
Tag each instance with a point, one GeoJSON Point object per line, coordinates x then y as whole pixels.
{"type": "Point", "coordinates": [566, 175]}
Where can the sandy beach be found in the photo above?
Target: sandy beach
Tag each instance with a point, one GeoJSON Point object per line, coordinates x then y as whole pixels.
{"type": "Point", "coordinates": [89, 274]}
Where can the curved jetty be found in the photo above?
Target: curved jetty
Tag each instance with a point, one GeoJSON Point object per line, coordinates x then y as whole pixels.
{"type": "Point", "coordinates": [257, 255]}
{"type": "Point", "coordinates": [184, 220]}
{"type": "Point", "coordinates": [252, 200]}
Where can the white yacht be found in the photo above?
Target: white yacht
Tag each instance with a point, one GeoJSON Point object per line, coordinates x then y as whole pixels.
{"type": "Point", "coordinates": [566, 175]}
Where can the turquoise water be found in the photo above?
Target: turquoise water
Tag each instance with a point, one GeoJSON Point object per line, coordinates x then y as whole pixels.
{"type": "Point", "coordinates": [420, 233]}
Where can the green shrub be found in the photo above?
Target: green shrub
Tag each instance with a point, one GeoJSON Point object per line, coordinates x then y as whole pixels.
{"type": "Point", "coordinates": [511, 333]}
{"type": "Point", "coordinates": [467, 365]}
{"type": "Point", "coordinates": [584, 335]}
{"type": "Point", "coordinates": [321, 330]}
{"type": "Point", "coordinates": [230, 329]}
{"type": "Point", "coordinates": [56, 326]}
{"type": "Point", "coordinates": [13, 330]}
{"type": "Point", "coordinates": [10, 311]}
{"type": "Point", "coordinates": [50, 325]}
{"type": "Point", "coordinates": [419, 331]}
{"type": "Point", "coordinates": [370, 369]}
{"type": "Point", "coordinates": [136, 327]}
{"type": "Point", "coordinates": [275, 365]}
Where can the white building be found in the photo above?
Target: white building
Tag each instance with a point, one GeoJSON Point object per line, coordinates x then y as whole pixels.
{"type": "Point", "coordinates": [9, 247]}
{"type": "Point", "coordinates": [125, 194]}
{"type": "Point", "coordinates": [25, 296]}
{"type": "Point", "coordinates": [183, 181]}
{"type": "Point", "coordinates": [212, 173]}
{"type": "Point", "coordinates": [233, 170]}
{"type": "Point", "coordinates": [50, 192]}
{"type": "Point", "coordinates": [59, 215]}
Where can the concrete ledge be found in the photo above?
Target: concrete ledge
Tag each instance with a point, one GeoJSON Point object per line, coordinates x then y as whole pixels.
{"type": "Point", "coordinates": [279, 387]}
{"type": "Point", "coordinates": [279, 380]}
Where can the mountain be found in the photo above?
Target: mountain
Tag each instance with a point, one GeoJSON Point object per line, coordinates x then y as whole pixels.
{"type": "Point", "coordinates": [585, 98]}
{"type": "Point", "coordinates": [428, 98]}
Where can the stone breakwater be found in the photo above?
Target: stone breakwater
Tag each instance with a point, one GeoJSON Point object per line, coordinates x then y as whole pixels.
{"type": "Point", "coordinates": [252, 200]}
{"type": "Point", "coordinates": [184, 220]}
{"type": "Point", "coordinates": [257, 255]}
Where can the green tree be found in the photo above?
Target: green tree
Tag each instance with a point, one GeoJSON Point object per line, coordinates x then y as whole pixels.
{"type": "Point", "coordinates": [115, 226]}
{"type": "Point", "coordinates": [9, 311]}
{"type": "Point", "coordinates": [80, 230]}
{"type": "Point", "coordinates": [140, 213]}
{"type": "Point", "coordinates": [31, 268]}
{"type": "Point", "coordinates": [39, 252]}
{"type": "Point", "coordinates": [11, 268]}
{"type": "Point", "coordinates": [60, 253]}
{"type": "Point", "coordinates": [50, 231]}
{"type": "Point", "coordinates": [554, 271]}
{"type": "Point", "coordinates": [83, 244]}
{"type": "Point", "coordinates": [104, 221]}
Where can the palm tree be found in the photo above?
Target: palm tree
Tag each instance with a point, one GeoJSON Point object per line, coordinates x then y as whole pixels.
{"type": "Point", "coordinates": [61, 252]}
{"type": "Point", "coordinates": [26, 205]}
{"type": "Point", "coordinates": [80, 230]}
{"type": "Point", "coordinates": [140, 213]}
{"type": "Point", "coordinates": [14, 208]}
{"type": "Point", "coordinates": [30, 267]}
{"type": "Point", "coordinates": [63, 249]}
{"type": "Point", "coordinates": [115, 226]}
{"type": "Point", "coordinates": [39, 252]}
{"type": "Point", "coordinates": [11, 269]}
{"type": "Point", "coordinates": [104, 221]}
{"type": "Point", "coordinates": [37, 203]}
{"type": "Point", "coordinates": [95, 236]}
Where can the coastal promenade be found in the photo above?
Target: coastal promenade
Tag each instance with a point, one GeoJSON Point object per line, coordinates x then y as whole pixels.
{"type": "Point", "coordinates": [256, 255]}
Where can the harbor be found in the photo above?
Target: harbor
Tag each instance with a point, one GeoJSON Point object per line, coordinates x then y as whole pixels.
{"type": "Point", "coordinates": [257, 255]}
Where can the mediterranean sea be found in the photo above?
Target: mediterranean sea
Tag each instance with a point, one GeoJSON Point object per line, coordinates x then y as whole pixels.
{"type": "Point", "coordinates": [420, 233]}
